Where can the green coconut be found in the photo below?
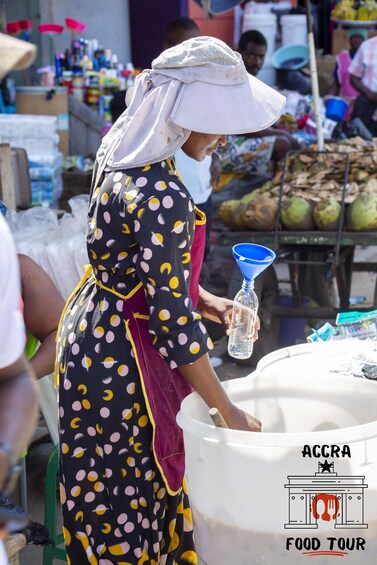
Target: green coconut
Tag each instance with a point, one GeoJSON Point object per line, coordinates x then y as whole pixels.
{"type": "Point", "coordinates": [362, 213]}
{"type": "Point", "coordinates": [327, 214]}
{"type": "Point", "coordinates": [297, 214]}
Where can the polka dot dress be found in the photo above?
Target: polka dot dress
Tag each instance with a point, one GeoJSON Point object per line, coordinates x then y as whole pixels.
{"type": "Point", "coordinates": [116, 508]}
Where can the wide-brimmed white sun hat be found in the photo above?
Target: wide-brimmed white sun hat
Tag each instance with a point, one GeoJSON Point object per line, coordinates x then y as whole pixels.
{"type": "Point", "coordinates": [15, 54]}
{"type": "Point", "coordinates": [218, 95]}
{"type": "Point", "coordinates": [199, 85]}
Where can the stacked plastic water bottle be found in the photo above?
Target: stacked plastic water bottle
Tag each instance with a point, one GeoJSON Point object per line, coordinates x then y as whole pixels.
{"type": "Point", "coordinates": [38, 135]}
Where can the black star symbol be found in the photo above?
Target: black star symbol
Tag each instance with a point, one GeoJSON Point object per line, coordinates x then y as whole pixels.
{"type": "Point", "coordinates": [326, 467]}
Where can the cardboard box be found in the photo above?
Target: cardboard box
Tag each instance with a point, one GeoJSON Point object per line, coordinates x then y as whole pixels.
{"type": "Point", "coordinates": [45, 101]}
{"type": "Point", "coordinates": [340, 39]}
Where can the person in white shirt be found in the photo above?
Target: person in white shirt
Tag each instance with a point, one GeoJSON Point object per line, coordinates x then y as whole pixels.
{"type": "Point", "coordinates": [18, 396]}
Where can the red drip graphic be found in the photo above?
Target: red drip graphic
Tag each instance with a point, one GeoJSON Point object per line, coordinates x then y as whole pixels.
{"type": "Point", "coordinates": [320, 553]}
{"type": "Point", "coordinates": [331, 506]}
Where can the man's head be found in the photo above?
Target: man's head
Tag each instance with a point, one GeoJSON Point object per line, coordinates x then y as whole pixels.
{"type": "Point", "coordinates": [180, 30]}
{"type": "Point", "coordinates": [253, 48]}
{"type": "Point", "coordinates": [355, 37]}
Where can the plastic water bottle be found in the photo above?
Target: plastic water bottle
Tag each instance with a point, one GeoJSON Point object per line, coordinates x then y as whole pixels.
{"type": "Point", "coordinates": [244, 315]}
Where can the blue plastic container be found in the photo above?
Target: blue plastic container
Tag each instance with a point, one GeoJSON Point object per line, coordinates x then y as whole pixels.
{"type": "Point", "coordinates": [290, 57]}
{"type": "Point", "coordinates": [336, 108]}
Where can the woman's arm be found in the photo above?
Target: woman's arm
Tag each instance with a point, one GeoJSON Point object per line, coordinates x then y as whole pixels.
{"type": "Point", "coordinates": [203, 378]}
{"type": "Point", "coordinates": [43, 306]}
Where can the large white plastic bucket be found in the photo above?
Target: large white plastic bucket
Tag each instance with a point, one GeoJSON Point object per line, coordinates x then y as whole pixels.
{"type": "Point", "coordinates": [294, 29]}
{"type": "Point", "coordinates": [308, 360]}
{"type": "Point", "coordinates": [252, 494]}
{"type": "Point", "coordinates": [266, 24]}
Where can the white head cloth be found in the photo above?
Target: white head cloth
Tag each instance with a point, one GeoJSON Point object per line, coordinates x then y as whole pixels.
{"type": "Point", "coordinates": [199, 85]}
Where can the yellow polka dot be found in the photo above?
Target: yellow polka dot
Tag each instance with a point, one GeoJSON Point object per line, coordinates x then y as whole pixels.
{"type": "Point", "coordinates": [108, 362]}
{"type": "Point", "coordinates": [134, 505]}
{"type": "Point", "coordinates": [67, 536]}
{"type": "Point", "coordinates": [178, 226]}
{"type": "Point", "coordinates": [186, 258]}
{"type": "Point", "coordinates": [123, 472]}
{"type": "Point", "coordinates": [104, 198]}
{"type": "Point", "coordinates": [138, 447]}
{"type": "Point", "coordinates": [98, 332]}
{"type": "Point", "coordinates": [107, 394]}
{"type": "Point", "coordinates": [128, 181]}
{"type": "Point", "coordinates": [174, 282]}
{"type": "Point", "coordinates": [127, 414]}
{"type": "Point", "coordinates": [83, 324]}
{"type": "Point", "coordinates": [126, 229]}
{"type": "Point", "coordinates": [157, 238]}
{"type": "Point", "coordinates": [86, 404]}
{"type": "Point", "coordinates": [174, 542]}
{"type": "Point", "coordinates": [165, 329]}
{"type": "Point", "coordinates": [140, 213]}
{"type": "Point", "coordinates": [100, 510]}
{"type": "Point", "coordinates": [146, 168]}
{"type": "Point", "coordinates": [131, 207]}
{"type": "Point", "coordinates": [131, 194]}
{"type": "Point", "coordinates": [194, 348]}
{"type": "Point", "coordinates": [106, 528]}
{"type": "Point", "coordinates": [106, 256]}
{"type": "Point", "coordinates": [76, 490]}
{"type": "Point", "coordinates": [154, 203]}
{"type": "Point", "coordinates": [143, 421]}
{"type": "Point", "coordinates": [93, 254]}
{"type": "Point", "coordinates": [131, 461]}
{"type": "Point", "coordinates": [165, 267]}
{"type": "Point", "coordinates": [137, 473]}
{"type": "Point", "coordinates": [75, 423]}
{"type": "Point", "coordinates": [65, 447]}
{"type": "Point", "coordinates": [137, 407]}
{"type": "Point", "coordinates": [177, 294]}
{"type": "Point", "coordinates": [190, 556]}
{"type": "Point", "coordinates": [182, 320]}
{"type": "Point", "coordinates": [92, 476]}
{"type": "Point", "coordinates": [79, 516]}
{"type": "Point", "coordinates": [152, 281]}
{"type": "Point", "coordinates": [164, 315]}
{"type": "Point", "coordinates": [122, 255]}
{"type": "Point", "coordinates": [86, 362]}
{"type": "Point", "coordinates": [79, 452]}
{"type": "Point", "coordinates": [99, 429]}
{"type": "Point", "coordinates": [122, 370]}
{"type": "Point", "coordinates": [98, 487]}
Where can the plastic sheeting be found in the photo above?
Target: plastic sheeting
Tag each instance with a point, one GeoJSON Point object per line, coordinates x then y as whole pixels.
{"type": "Point", "coordinates": [57, 245]}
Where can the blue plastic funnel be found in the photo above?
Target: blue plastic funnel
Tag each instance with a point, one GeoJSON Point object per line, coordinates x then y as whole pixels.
{"type": "Point", "coordinates": [252, 259]}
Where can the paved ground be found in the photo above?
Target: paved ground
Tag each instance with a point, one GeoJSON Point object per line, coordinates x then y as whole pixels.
{"type": "Point", "coordinates": [39, 452]}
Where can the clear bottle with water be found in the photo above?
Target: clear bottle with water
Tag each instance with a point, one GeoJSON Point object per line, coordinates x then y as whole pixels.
{"type": "Point", "coordinates": [244, 315]}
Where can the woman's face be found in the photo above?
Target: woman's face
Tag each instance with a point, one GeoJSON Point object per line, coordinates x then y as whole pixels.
{"type": "Point", "coordinates": [199, 145]}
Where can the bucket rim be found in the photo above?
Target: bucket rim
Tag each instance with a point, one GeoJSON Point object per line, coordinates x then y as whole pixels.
{"type": "Point", "coordinates": [211, 433]}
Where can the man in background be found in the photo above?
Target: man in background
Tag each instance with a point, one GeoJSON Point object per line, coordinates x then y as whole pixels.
{"type": "Point", "coordinates": [363, 71]}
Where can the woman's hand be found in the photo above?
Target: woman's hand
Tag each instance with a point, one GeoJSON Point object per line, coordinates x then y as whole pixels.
{"type": "Point", "coordinates": [219, 310]}
{"type": "Point", "coordinates": [237, 419]}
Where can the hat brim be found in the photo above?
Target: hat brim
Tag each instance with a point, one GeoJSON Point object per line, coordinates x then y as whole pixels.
{"type": "Point", "coordinates": [242, 108]}
{"type": "Point", "coordinates": [15, 54]}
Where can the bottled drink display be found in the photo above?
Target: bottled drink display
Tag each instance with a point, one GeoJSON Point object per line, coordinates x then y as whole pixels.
{"type": "Point", "coordinates": [244, 315]}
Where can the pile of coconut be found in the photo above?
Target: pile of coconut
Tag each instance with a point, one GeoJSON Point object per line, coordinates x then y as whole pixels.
{"type": "Point", "coordinates": [312, 192]}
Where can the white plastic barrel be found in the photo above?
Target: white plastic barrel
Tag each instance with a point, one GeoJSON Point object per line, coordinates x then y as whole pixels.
{"type": "Point", "coordinates": [309, 478]}
{"type": "Point", "coordinates": [266, 24]}
{"type": "Point", "coordinates": [294, 29]}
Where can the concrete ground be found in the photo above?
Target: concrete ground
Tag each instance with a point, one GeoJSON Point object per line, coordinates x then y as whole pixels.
{"type": "Point", "coordinates": [362, 286]}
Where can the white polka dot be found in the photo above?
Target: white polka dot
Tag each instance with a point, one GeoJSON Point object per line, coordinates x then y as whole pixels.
{"type": "Point", "coordinates": [141, 181]}
{"type": "Point", "coordinates": [160, 219]}
{"type": "Point", "coordinates": [80, 475]}
{"type": "Point", "coordinates": [89, 497]}
{"type": "Point", "coordinates": [167, 202]}
{"type": "Point", "coordinates": [147, 253]}
{"type": "Point", "coordinates": [122, 518]}
{"type": "Point", "coordinates": [75, 349]}
{"type": "Point", "coordinates": [76, 406]}
{"type": "Point", "coordinates": [129, 527]}
{"type": "Point", "coordinates": [182, 339]}
{"type": "Point", "coordinates": [107, 217]}
{"type": "Point", "coordinates": [110, 337]}
{"type": "Point", "coordinates": [129, 491]}
{"type": "Point", "coordinates": [117, 177]}
{"type": "Point", "coordinates": [115, 437]}
{"type": "Point", "coordinates": [117, 186]}
{"type": "Point", "coordinates": [105, 412]}
{"type": "Point", "coordinates": [163, 351]}
{"type": "Point", "coordinates": [71, 338]}
{"type": "Point", "coordinates": [91, 431]}
{"type": "Point", "coordinates": [174, 186]}
{"type": "Point", "coordinates": [144, 266]}
{"type": "Point", "coordinates": [67, 384]}
{"type": "Point", "coordinates": [136, 226]}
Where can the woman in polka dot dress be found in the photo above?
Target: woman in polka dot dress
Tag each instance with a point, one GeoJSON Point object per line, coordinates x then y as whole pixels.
{"type": "Point", "coordinates": [131, 343]}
